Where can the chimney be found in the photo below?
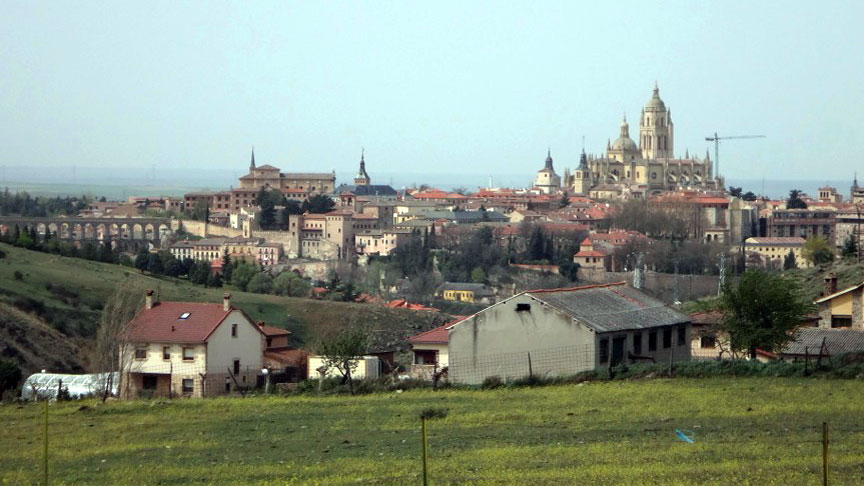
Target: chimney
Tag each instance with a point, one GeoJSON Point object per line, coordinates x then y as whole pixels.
{"type": "Point", "coordinates": [226, 302]}
{"type": "Point", "coordinates": [830, 283]}
{"type": "Point", "coordinates": [148, 299]}
{"type": "Point", "coordinates": [260, 323]}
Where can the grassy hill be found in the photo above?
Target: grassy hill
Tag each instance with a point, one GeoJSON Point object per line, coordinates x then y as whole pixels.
{"type": "Point", "coordinates": [746, 431]}
{"type": "Point", "coordinates": [69, 294]}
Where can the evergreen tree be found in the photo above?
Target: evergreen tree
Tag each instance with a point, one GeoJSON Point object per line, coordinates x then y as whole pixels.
{"type": "Point", "coordinates": [227, 266]}
{"type": "Point", "coordinates": [850, 246]}
{"type": "Point", "coordinates": [214, 280]}
{"type": "Point", "coordinates": [795, 201]}
{"type": "Point", "coordinates": [142, 259]}
{"type": "Point", "coordinates": [174, 268]}
{"type": "Point", "coordinates": [789, 262]}
{"type": "Point", "coordinates": [154, 264]}
{"type": "Point", "coordinates": [200, 273]}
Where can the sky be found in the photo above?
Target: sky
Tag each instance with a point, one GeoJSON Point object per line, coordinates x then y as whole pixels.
{"type": "Point", "coordinates": [444, 88]}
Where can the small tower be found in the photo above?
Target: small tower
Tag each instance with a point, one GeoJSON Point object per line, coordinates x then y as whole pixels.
{"type": "Point", "coordinates": [252, 163]}
{"type": "Point", "coordinates": [547, 180]}
{"type": "Point", "coordinates": [582, 176]}
{"type": "Point", "coordinates": [362, 178]}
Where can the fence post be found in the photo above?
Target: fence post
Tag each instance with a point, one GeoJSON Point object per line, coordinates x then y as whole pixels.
{"type": "Point", "coordinates": [824, 453]}
{"type": "Point", "coordinates": [671, 360]}
{"type": "Point", "coordinates": [45, 445]}
{"type": "Point", "coordinates": [530, 368]}
{"type": "Point", "coordinates": [425, 471]}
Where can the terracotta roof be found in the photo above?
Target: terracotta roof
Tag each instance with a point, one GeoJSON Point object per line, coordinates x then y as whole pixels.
{"type": "Point", "coordinates": [271, 331]}
{"type": "Point", "coordinates": [590, 254]}
{"type": "Point", "coordinates": [295, 357]}
{"type": "Point", "coordinates": [706, 318]}
{"type": "Point", "coordinates": [163, 323]}
{"type": "Point", "coordinates": [439, 335]}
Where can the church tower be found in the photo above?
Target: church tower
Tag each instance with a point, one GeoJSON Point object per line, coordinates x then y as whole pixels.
{"type": "Point", "coordinates": [362, 178]}
{"type": "Point", "coordinates": [656, 131]}
{"type": "Point", "coordinates": [252, 163]}
{"type": "Point", "coordinates": [582, 176]}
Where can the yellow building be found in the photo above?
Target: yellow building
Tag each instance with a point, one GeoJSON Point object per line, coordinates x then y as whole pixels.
{"type": "Point", "coordinates": [466, 292]}
{"type": "Point", "coordinates": [772, 251]}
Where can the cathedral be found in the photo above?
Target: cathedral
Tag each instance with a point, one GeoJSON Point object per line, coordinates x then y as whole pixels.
{"type": "Point", "coordinates": [651, 163]}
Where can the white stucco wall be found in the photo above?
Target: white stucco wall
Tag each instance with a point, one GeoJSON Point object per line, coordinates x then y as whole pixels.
{"type": "Point", "coordinates": [367, 367]}
{"type": "Point", "coordinates": [223, 349]}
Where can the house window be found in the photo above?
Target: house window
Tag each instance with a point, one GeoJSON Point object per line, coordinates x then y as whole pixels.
{"type": "Point", "coordinates": [604, 351]}
{"type": "Point", "coordinates": [141, 353]}
{"type": "Point", "coordinates": [652, 341]}
{"type": "Point", "coordinates": [841, 321]}
{"type": "Point", "coordinates": [637, 343]}
{"type": "Point", "coordinates": [166, 352]}
{"type": "Point", "coordinates": [236, 366]}
{"type": "Point", "coordinates": [149, 382]}
{"type": "Point", "coordinates": [188, 354]}
{"type": "Point", "coordinates": [667, 338]}
{"type": "Point", "coordinates": [188, 385]}
{"type": "Point", "coordinates": [682, 335]}
{"type": "Point", "coordinates": [708, 341]}
{"type": "Point", "coordinates": [233, 330]}
{"type": "Point", "coordinates": [523, 307]}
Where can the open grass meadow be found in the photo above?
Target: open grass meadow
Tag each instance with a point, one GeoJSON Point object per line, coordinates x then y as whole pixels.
{"type": "Point", "coordinates": [745, 431]}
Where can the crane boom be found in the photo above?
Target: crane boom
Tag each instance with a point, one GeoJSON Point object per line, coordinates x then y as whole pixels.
{"type": "Point", "coordinates": [716, 139]}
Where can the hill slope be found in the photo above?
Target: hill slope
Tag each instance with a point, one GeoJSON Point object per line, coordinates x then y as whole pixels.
{"type": "Point", "coordinates": [69, 294]}
{"type": "Point", "coordinates": [34, 344]}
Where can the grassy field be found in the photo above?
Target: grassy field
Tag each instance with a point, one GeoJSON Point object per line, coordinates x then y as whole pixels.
{"type": "Point", "coordinates": [746, 431]}
{"type": "Point", "coordinates": [93, 282]}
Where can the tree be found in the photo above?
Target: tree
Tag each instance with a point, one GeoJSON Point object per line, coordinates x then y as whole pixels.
{"type": "Point", "coordinates": [214, 280]}
{"type": "Point", "coordinates": [569, 270]}
{"type": "Point", "coordinates": [795, 201]}
{"type": "Point", "coordinates": [735, 191]}
{"type": "Point", "coordinates": [761, 311]}
{"type": "Point", "coordinates": [342, 351]}
{"type": "Point", "coordinates": [154, 264]}
{"type": "Point", "coordinates": [789, 262]}
{"type": "Point", "coordinates": [318, 204]}
{"type": "Point", "coordinates": [10, 375]}
{"type": "Point", "coordinates": [282, 283]}
{"type": "Point", "coordinates": [242, 274]}
{"type": "Point", "coordinates": [227, 266]}
{"type": "Point", "coordinates": [111, 337]}
{"type": "Point", "coordinates": [817, 250]}
{"type": "Point", "coordinates": [260, 284]}
{"type": "Point", "coordinates": [142, 259]}
{"type": "Point", "coordinates": [267, 214]}
{"type": "Point", "coordinates": [850, 246]}
{"type": "Point", "coordinates": [749, 196]}
{"type": "Point", "coordinates": [173, 268]}
{"type": "Point", "coordinates": [478, 275]}
{"type": "Point", "coordinates": [200, 273]}
{"type": "Point", "coordinates": [201, 211]}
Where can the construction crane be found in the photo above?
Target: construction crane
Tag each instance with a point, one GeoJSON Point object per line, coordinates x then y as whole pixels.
{"type": "Point", "coordinates": [716, 141]}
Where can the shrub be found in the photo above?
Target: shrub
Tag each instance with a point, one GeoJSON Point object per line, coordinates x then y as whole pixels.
{"type": "Point", "coordinates": [492, 382]}
{"type": "Point", "coordinates": [434, 413]}
{"type": "Point", "coordinates": [18, 275]}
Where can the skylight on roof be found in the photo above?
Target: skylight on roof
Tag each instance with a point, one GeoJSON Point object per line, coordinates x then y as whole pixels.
{"type": "Point", "coordinates": [184, 315]}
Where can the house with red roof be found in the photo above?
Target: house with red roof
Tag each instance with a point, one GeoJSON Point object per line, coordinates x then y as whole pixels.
{"type": "Point", "coordinates": [190, 349]}
{"type": "Point", "coordinates": [430, 352]}
{"type": "Point", "coordinates": [559, 332]}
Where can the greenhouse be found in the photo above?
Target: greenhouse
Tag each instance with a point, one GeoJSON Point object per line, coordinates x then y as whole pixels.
{"type": "Point", "coordinates": [47, 385]}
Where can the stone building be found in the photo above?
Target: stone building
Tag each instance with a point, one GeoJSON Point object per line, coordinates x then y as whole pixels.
{"type": "Point", "coordinates": [650, 163]}
{"type": "Point", "coordinates": [547, 181]}
{"type": "Point", "coordinates": [272, 177]}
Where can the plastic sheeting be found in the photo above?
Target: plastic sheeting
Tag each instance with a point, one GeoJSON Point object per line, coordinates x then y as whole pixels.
{"type": "Point", "coordinates": [46, 385]}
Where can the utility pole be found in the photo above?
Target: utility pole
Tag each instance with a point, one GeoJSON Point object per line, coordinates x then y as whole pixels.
{"type": "Point", "coordinates": [716, 139]}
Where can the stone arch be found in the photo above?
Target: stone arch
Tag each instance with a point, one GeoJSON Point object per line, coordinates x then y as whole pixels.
{"type": "Point", "coordinates": [101, 231]}
{"type": "Point", "coordinates": [41, 228]}
{"type": "Point", "coordinates": [65, 231]}
{"type": "Point", "coordinates": [114, 231]}
{"type": "Point", "coordinates": [77, 231]}
{"type": "Point", "coordinates": [89, 232]}
{"type": "Point", "coordinates": [125, 232]}
{"type": "Point", "coordinates": [54, 228]}
{"type": "Point", "coordinates": [137, 232]}
{"type": "Point", "coordinates": [148, 232]}
{"type": "Point", "coordinates": [164, 230]}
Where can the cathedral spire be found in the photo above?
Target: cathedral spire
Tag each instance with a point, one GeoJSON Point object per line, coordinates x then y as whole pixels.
{"type": "Point", "coordinates": [362, 178]}
{"type": "Point", "coordinates": [252, 163]}
{"type": "Point", "coordinates": [549, 159]}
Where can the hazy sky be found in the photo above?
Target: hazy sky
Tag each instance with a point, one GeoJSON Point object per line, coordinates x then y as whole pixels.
{"type": "Point", "coordinates": [431, 87]}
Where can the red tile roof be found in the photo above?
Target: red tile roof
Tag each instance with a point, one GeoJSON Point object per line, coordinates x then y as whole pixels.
{"type": "Point", "coordinates": [438, 335]}
{"type": "Point", "coordinates": [271, 331]}
{"type": "Point", "coordinates": [590, 254]}
{"type": "Point", "coordinates": [162, 322]}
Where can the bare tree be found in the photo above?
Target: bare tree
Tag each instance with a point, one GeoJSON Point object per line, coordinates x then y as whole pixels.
{"type": "Point", "coordinates": [342, 350]}
{"type": "Point", "coordinates": [119, 310]}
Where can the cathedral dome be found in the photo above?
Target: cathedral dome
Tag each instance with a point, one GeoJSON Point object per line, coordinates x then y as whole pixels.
{"type": "Point", "coordinates": [624, 142]}
{"type": "Point", "coordinates": [655, 102]}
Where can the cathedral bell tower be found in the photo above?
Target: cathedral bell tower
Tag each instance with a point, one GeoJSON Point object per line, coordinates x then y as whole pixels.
{"type": "Point", "coordinates": [582, 177]}
{"type": "Point", "coordinates": [656, 131]}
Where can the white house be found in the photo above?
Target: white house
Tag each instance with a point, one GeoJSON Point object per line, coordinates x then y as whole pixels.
{"type": "Point", "coordinates": [558, 332]}
{"type": "Point", "coordinates": [190, 349]}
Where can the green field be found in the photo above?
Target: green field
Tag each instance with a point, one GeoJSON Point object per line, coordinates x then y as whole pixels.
{"type": "Point", "coordinates": [746, 431]}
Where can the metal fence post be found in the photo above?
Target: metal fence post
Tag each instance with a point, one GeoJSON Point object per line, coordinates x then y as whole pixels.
{"type": "Point", "coordinates": [825, 453]}
{"type": "Point", "coordinates": [45, 445]}
{"type": "Point", "coordinates": [425, 471]}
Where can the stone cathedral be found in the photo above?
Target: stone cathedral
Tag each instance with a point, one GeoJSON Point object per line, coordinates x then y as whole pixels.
{"type": "Point", "coordinates": [651, 163]}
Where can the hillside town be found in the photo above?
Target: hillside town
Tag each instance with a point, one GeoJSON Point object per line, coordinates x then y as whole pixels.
{"type": "Point", "coordinates": [254, 244]}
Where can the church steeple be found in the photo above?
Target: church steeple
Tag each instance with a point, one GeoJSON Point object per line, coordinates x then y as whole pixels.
{"type": "Point", "coordinates": [656, 131]}
{"type": "Point", "coordinates": [362, 178]}
{"type": "Point", "coordinates": [549, 159]}
{"type": "Point", "coordinates": [252, 163]}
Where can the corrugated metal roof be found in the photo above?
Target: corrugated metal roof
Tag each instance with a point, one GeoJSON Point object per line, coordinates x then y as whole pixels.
{"type": "Point", "coordinates": [611, 307]}
{"type": "Point", "coordinates": [837, 341]}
